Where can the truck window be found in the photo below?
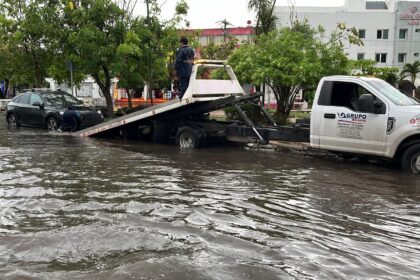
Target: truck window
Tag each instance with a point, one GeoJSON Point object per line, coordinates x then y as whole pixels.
{"type": "Point", "coordinates": [344, 94]}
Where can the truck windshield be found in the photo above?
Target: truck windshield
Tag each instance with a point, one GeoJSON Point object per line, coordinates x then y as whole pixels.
{"type": "Point", "coordinates": [392, 93]}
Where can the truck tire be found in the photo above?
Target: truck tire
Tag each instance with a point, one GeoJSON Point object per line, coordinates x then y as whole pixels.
{"type": "Point", "coordinates": [187, 138]}
{"type": "Point", "coordinates": [410, 161]}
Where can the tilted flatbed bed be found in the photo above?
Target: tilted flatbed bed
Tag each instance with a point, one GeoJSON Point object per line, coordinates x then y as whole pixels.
{"type": "Point", "coordinates": [185, 121]}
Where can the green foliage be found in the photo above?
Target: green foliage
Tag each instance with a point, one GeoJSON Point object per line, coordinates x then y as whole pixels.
{"type": "Point", "coordinates": [221, 51]}
{"type": "Point", "coordinates": [370, 68]}
{"type": "Point", "coordinates": [411, 70]}
{"type": "Point", "coordinates": [101, 39]}
{"type": "Point", "coordinates": [266, 19]}
{"type": "Point", "coordinates": [23, 51]}
{"type": "Point", "coordinates": [289, 60]}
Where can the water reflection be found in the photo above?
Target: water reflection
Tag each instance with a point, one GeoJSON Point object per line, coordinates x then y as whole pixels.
{"type": "Point", "coordinates": [93, 209]}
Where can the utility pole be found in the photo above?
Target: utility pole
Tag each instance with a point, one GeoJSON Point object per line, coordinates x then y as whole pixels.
{"type": "Point", "coordinates": [149, 88]}
{"type": "Point", "coordinates": [69, 65]}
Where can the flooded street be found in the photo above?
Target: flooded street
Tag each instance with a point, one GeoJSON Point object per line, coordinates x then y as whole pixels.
{"type": "Point", "coordinates": [73, 208]}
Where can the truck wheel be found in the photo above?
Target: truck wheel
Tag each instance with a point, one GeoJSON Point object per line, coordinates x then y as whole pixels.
{"type": "Point", "coordinates": [410, 161]}
{"type": "Point", "coordinates": [187, 138]}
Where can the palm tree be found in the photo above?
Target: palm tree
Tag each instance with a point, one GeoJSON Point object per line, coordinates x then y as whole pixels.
{"type": "Point", "coordinates": [266, 20]}
{"type": "Point", "coordinates": [411, 70]}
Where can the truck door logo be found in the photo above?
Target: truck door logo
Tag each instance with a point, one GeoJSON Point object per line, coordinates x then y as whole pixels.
{"type": "Point", "coordinates": [390, 126]}
{"type": "Point", "coordinates": [415, 121]}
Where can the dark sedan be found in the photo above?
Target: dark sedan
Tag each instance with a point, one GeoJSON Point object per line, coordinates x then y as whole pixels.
{"type": "Point", "coordinates": [45, 109]}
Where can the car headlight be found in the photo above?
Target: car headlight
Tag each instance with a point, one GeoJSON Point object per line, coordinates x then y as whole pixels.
{"type": "Point", "coordinates": [61, 112]}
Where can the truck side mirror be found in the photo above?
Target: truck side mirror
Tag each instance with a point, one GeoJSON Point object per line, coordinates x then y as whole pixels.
{"type": "Point", "coordinates": [365, 103]}
{"type": "Point", "coordinates": [377, 106]}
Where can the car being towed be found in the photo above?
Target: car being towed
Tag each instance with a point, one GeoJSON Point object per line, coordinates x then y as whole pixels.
{"type": "Point", "coordinates": [45, 109]}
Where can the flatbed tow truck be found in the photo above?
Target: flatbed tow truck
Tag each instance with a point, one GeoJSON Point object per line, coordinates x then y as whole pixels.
{"type": "Point", "coordinates": [187, 120]}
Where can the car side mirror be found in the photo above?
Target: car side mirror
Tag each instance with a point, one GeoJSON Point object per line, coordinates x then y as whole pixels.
{"type": "Point", "coordinates": [365, 103]}
{"type": "Point", "coordinates": [37, 103]}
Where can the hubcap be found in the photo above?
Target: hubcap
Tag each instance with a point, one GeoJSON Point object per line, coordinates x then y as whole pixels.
{"type": "Point", "coordinates": [12, 120]}
{"type": "Point", "coordinates": [186, 140]}
{"type": "Point", "coordinates": [416, 163]}
{"type": "Point", "coordinates": [52, 124]}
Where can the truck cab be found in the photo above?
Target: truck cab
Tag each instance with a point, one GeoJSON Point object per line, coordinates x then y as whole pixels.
{"type": "Point", "coordinates": [366, 116]}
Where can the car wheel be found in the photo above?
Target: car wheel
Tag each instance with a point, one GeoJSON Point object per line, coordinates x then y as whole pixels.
{"type": "Point", "coordinates": [188, 138]}
{"type": "Point", "coordinates": [52, 124]}
{"type": "Point", "coordinates": [410, 161]}
{"type": "Point", "coordinates": [12, 120]}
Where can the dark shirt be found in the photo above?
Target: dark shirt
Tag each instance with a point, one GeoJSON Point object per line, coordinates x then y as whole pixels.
{"type": "Point", "coordinates": [184, 61]}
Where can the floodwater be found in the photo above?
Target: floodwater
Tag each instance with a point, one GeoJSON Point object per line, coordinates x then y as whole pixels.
{"type": "Point", "coordinates": [73, 208]}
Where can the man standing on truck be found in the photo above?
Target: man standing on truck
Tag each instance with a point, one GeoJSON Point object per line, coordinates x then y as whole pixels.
{"type": "Point", "coordinates": [183, 65]}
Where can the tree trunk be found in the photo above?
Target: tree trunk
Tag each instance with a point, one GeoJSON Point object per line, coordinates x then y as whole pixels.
{"type": "Point", "coordinates": [282, 95]}
{"type": "Point", "coordinates": [130, 104]}
{"type": "Point", "coordinates": [6, 87]}
{"type": "Point", "coordinates": [263, 95]}
{"type": "Point", "coordinates": [38, 78]}
{"type": "Point", "coordinates": [106, 91]}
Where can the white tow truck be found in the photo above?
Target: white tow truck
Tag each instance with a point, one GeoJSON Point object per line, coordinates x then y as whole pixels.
{"type": "Point", "coordinates": [366, 116]}
{"type": "Point", "coordinates": [186, 121]}
{"type": "Point", "coordinates": [350, 116]}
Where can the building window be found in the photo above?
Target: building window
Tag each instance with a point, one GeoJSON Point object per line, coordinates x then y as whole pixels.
{"type": "Point", "coordinates": [382, 34]}
{"type": "Point", "coordinates": [418, 30]}
{"type": "Point", "coordinates": [402, 57]}
{"type": "Point", "coordinates": [360, 56]}
{"type": "Point", "coordinates": [416, 54]}
{"type": "Point", "coordinates": [362, 33]}
{"type": "Point", "coordinates": [403, 33]}
{"type": "Point", "coordinates": [380, 57]}
{"type": "Point", "coordinates": [376, 5]}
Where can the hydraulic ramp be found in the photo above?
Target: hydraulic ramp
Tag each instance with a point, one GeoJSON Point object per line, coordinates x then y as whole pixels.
{"type": "Point", "coordinates": [202, 96]}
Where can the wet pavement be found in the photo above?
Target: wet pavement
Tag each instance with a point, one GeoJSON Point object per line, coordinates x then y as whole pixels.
{"type": "Point", "coordinates": [73, 208]}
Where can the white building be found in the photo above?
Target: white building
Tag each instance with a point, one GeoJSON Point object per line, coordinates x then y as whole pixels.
{"type": "Point", "coordinates": [389, 29]}
{"type": "Point", "coordinates": [88, 90]}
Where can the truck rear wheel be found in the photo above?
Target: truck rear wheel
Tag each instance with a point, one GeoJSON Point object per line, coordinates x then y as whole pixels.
{"type": "Point", "coordinates": [187, 138]}
{"type": "Point", "coordinates": [410, 161]}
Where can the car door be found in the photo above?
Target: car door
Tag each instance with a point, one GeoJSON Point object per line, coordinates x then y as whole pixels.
{"type": "Point", "coordinates": [22, 109]}
{"type": "Point", "coordinates": [36, 113]}
{"type": "Point", "coordinates": [345, 128]}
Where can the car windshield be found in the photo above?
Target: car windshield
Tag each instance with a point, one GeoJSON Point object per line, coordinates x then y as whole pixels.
{"type": "Point", "coordinates": [60, 99]}
{"type": "Point", "coordinates": [392, 93]}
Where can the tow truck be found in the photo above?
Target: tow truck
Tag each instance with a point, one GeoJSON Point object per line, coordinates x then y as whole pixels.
{"type": "Point", "coordinates": [351, 116]}
{"type": "Point", "coordinates": [186, 121]}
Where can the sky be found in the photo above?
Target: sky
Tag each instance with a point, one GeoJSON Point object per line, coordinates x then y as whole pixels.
{"type": "Point", "coordinates": [206, 13]}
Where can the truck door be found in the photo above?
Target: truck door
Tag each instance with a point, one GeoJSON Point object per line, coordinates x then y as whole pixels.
{"type": "Point", "coordinates": [344, 127]}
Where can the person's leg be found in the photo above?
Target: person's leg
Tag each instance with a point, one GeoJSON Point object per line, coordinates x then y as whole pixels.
{"type": "Point", "coordinates": [183, 85]}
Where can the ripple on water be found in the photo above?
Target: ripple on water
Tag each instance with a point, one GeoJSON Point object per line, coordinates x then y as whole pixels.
{"type": "Point", "coordinates": [93, 209]}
